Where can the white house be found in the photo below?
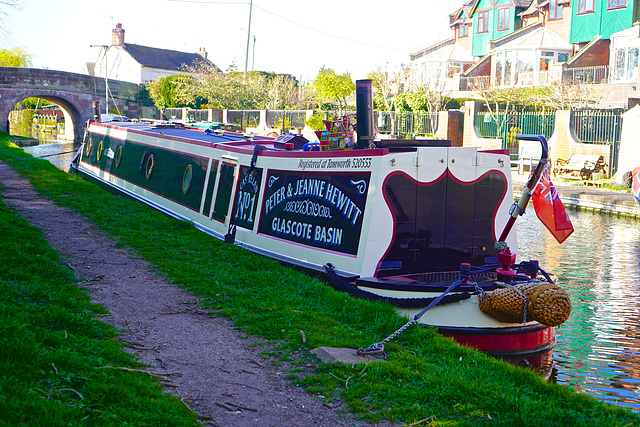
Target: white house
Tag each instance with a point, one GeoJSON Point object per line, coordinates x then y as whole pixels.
{"type": "Point", "coordinates": [141, 64]}
{"type": "Point", "coordinates": [438, 66]}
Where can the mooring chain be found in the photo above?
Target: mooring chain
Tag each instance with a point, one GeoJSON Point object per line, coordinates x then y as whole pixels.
{"type": "Point", "coordinates": [481, 292]}
{"type": "Point", "coordinates": [378, 347]}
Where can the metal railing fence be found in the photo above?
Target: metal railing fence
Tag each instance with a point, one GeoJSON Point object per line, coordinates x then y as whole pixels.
{"type": "Point", "coordinates": [586, 75]}
{"type": "Point", "coordinates": [244, 118]}
{"type": "Point", "coordinates": [286, 119]}
{"type": "Point", "coordinates": [506, 126]}
{"type": "Point", "coordinates": [407, 124]}
{"type": "Point", "coordinates": [599, 127]}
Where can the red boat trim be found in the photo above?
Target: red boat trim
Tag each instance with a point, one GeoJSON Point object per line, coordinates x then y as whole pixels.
{"type": "Point", "coordinates": [512, 341]}
{"type": "Point", "coordinates": [374, 152]}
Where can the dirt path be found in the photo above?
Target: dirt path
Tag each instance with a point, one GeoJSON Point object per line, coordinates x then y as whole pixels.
{"type": "Point", "coordinates": [204, 360]}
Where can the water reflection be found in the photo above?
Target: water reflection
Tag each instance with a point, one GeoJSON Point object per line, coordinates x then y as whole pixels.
{"type": "Point", "coordinates": [597, 350]}
{"type": "Point", "coordinates": [58, 152]}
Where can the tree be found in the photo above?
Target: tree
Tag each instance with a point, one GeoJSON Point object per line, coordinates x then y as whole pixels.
{"type": "Point", "coordinates": [6, 5]}
{"type": "Point", "coordinates": [498, 102]}
{"type": "Point", "coordinates": [382, 82]}
{"type": "Point", "coordinates": [169, 92]}
{"type": "Point", "coordinates": [16, 57]}
{"type": "Point", "coordinates": [567, 95]}
{"type": "Point", "coordinates": [334, 87]}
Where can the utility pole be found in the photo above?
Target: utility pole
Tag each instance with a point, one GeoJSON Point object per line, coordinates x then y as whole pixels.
{"type": "Point", "coordinates": [246, 58]}
{"type": "Point", "coordinates": [253, 59]}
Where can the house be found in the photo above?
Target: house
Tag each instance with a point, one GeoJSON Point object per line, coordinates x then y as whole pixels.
{"type": "Point", "coordinates": [528, 57]}
{"type": "Point", "coordinates": [592, 18]}
{"type": "Point", "coordinates": [438, 66]}
{"type": "Point", "coordinates": [623, 59]}
{"type": "Point", "coordinates": [493, 19]}
{"type": "Point", "coordinates": [141, 64]}
{"type": "Point", "coordinates": [462, 25]}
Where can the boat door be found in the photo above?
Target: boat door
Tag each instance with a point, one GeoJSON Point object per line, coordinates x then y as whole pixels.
{"type": "Point", "coordinates": [224, 190]}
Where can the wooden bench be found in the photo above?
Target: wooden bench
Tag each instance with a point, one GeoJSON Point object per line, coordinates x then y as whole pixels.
{"type": "Point", "coordinates": [528, 155]}
{"type": "Point", "coordinates": [583, 165]}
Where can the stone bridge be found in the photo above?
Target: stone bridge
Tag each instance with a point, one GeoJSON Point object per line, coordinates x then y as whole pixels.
{"type": "Point", "coordinates": [73, 93]}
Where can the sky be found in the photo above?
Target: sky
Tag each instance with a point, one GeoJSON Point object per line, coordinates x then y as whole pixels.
{"type": "Point", "coordinates": [291, 36]}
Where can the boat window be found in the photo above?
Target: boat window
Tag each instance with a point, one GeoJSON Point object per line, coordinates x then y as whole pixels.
{"type": "Point", "coordinates": [186, 179]}
{"type": "Point", "coordinates": [118, 156]}
{"type": "Point", "coordinates": [99, 151]}
{"type": "Point", "coordinates": [210, 186]}
{"type": "Point", "coordinates": [223, 196]}
{"type": "Point", "coordinates": [87, 147]}
{"type": "Point", "coordinates": [149, 166]}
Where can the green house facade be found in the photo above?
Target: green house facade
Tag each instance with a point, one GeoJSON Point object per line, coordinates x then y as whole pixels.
{"type": "Point", "coordinates": [590, 18]}
{"type": "Point", "coordinates": [493, 19]}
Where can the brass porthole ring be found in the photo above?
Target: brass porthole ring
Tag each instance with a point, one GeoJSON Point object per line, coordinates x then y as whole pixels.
{"type": "Point", "coordinates": [186, 179]}
{"type": "Point", "coordinates": [149, 166]}
{"type": "Point", "coordinates": [87, 148]}
{"type": "Point", "coordinates": [99, 151]}
{"type": "Point", "coordinates": [118, 156]}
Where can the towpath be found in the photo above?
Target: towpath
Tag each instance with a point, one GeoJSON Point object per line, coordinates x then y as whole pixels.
{"type": "Point", "coordinates": [205, 361]}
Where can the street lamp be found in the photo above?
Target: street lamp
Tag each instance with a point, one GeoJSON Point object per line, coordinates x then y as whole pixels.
{"type": "Point", "coordinates": [106, 76]}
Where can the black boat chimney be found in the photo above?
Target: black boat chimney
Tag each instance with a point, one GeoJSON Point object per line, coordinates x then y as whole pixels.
{"type": "Point", "coordinates": [96, 111]}
{"type": "Point", "coordinates": [364, 113]}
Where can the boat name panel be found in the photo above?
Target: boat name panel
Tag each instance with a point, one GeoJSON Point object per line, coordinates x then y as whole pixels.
{"type": "Point", "coordinates": [246, 199]}
{"type": "Point", "coordinates": [345, 164]}
{"type": "Point", "coordinates": [318, 209]}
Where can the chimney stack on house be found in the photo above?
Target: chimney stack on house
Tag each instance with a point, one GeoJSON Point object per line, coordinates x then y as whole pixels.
{"type": "Point", "coordinates": [202, 52]}
{"type": "Point", "coordinates": [117, 36]}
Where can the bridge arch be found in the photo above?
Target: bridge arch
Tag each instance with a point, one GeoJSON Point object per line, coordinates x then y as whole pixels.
{"type": "Point", "coordinates": [72, 116]}
{"type": "Point", "coordinates": [74, 93]}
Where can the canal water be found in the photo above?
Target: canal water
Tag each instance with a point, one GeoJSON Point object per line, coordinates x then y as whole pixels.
{"type": "Point", "coordinates": [598, 348]}
{"type": "Point", "coordinates": [48, 146]}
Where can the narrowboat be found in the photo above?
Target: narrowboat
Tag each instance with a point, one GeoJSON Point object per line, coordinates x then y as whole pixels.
{"type": "Point", "coordinates": [406, 221]}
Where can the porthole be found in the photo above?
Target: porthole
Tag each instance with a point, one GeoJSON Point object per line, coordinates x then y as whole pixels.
{"type": "Point", "coordinates": [99, 151]}
{"type": "Point", "coordinates": [186, 179]}
{"type": "Point", "coordinates": [148, 170]}
{"type": "Point", "coordinates": [118, 155]}
{"type": "Point", "coordinates": [87, 147]}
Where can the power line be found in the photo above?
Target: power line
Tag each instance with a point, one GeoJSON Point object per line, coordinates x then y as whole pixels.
{"type": "Point", "coordinates": [328, 34]}
{"type": "Point", "coordinates": [292, 22]}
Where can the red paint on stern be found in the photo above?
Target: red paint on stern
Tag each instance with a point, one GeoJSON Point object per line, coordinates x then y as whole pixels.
{"type": "Point", "coordinates": [527, 341]}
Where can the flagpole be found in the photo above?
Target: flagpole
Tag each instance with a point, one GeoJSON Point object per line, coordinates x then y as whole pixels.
{"type": "Point", "coordinates": [519, 208]}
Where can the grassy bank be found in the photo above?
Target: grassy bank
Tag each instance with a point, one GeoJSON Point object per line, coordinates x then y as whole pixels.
{"type": "Point", "coordinates": [58, 364]}
{"type": "Point", "coordinates": [426, 376]}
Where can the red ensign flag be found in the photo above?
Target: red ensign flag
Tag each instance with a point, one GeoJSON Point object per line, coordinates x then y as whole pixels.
{"type": "Point", "coordinates": [550, 209]}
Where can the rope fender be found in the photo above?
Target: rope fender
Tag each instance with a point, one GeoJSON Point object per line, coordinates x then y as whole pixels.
{"type": "Point", "coordinates": [340, 284]}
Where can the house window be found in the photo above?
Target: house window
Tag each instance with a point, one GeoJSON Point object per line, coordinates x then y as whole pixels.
{"type": "Point", "coordinates": [555, 10]}
{"type": "Point", "coordinates": [620, 63]}
{"type": "Point", "coordinates": [483, 22]}
{"type": "Point", "coordinates": [562, 57]}
{"type": "Point", "coordinates": [503, 19]}
{"type": "Point", "coordinates": [616, 4]}
{"type": "Point", "coordinates": [463, 30]}
{"type": "Point", "coordinates": [585, 6]}
{"type": "Point", "coordinates": [632, 72]}
{"type": "Point", "coordinates": [626, 64]}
